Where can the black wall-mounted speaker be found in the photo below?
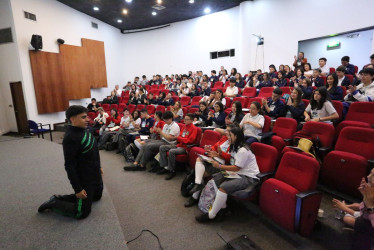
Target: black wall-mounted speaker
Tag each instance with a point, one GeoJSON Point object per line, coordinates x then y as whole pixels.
{"type": "Point", "coordinates": [37, 42]}
{"type": "Point", "coordinates": [60, 41]}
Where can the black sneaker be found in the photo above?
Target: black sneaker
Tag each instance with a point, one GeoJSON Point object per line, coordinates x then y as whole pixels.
{"type": "Point", "coordinates": [134, 168]}
{"type": "Point", "coordinates": [202, 218]}
{"type": "Point", "coordinates": [170, 176]}
{"type": "Point", "coordinates": [163, 171]}
{"type": "Point", "coordinates": [191, 202]}
{"type": "Point", "coordinates": [195, 188]}
{"type": "Point", "coordinates": [48, 204]}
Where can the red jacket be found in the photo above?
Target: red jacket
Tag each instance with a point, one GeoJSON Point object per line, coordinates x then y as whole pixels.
{"type": "Point", "coordinates": [111, 119]}
{"type": "Point", "coordinates": [225, 155]}
{"type": "Point", "coordinates": [187, 136]}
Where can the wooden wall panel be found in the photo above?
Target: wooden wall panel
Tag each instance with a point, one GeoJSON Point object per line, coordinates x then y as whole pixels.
{"type": "Point", "coordinates": [96, 57]}
{"type": "Point", "coordinates": [60, 77]}
{"type": "Point", "coordinates": [49, 82]}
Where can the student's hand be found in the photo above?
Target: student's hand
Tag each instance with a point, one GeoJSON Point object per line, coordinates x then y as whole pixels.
{"type": "Point", "coordinates": [352, 88]}
{"type": "Point", "coordinates": [295, 58]}
{"type": "Point", "coordinates": [307, 118]}
{"type": "Point", "coordinates": [82, 194]}
{"type": "Point", "coordinates": [219, 150]}
{"type": "Point", "coordinates": [264, 102]}
{"type": "Point", "coordinates": [315, 119]}
{"type": "Point", "coordinates": [102, 171]}
{"type": "Point", "coordinates": [213, 154]}
{"type": "Point", "coordinates": [289, 101]}
{"type": "Point", "coordinates": [339, 204]}
{"type": "Point", "coordinates": [215, 164]}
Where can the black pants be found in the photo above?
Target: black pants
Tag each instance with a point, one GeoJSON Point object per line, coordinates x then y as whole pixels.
{"type": "Point", "coordinates": [363, 237]}
{"type": "Point", "coordinates": [70, 205]}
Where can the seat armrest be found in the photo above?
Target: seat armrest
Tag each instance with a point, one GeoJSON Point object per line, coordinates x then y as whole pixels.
{"type": "Point", "coordinates": [305, 194]}
{"type": "Point", "coordinates": [325, 149]}
{"type": "Point", "coordinates": [287, 139]}
{"type": "Point", "coordinates": [192, 145]}
{"type": "Point", "coordinates": [261, 176]}
{"type": "Point", "coordinates": [299, 203]}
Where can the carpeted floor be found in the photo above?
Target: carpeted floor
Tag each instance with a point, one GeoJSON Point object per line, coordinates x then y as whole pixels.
{"type": "Point", "coordinates": [141, 200]}
{"type": "Point", "coordinates": [31, 171]}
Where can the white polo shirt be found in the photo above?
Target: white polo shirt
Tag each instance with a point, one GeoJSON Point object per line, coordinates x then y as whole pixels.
{"type": "Point", "coordinates": [246, 161]}
{"type": "Point", "coordinates": [172, 129]}
{"type": "Point", "coordinates": [232, 90]}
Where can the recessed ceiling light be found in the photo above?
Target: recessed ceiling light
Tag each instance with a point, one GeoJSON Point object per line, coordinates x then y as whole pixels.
{"type": "Point", "coordinates": [124, 11]}
{"type": "Point", "coordinates": [191, 1]}
{"type": "Point", "coordinates": [96, 8]}
{"type": "Point", "coordinates": [159, 1]}
{"type": "Point", "coordinates": [154, 13]}
{"type": "Point", "coordinates": [207, 10]}
{"type": "Point", "coordinates": [128, 1]}
{"type": "Point", "coordinates": [119, 21]}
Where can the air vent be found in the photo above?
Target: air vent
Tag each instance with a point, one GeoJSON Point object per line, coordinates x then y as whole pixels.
{"type": "Point", "coordinates": [30, 16]}
{"type": "Point", "coordinates": [224, 53]}
{"type": "Point", "coordinates": [6, 36]}
{"type": "Point", "coordinates": [94, 25]}
{"type": "Point", "coordinates": [158, 7]}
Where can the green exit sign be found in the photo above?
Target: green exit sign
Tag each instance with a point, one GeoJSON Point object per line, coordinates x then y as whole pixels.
{"type": "Point", "coordinates": [333, 45]}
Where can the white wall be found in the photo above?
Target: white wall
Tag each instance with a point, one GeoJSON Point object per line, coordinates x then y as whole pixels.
{"type": "Point", "coordinates": [10, 71]}
{"type": "Point", "coordinates": [56, 20]}
{"type": "Point", "coordinates": [184, 46]}
{"type": "Point", "coordinates": [357, 48]}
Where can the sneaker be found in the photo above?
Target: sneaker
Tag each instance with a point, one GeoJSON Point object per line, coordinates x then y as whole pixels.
{"type": "Point", "coordinates": [163, 171]}
{"type": "Point", "coordinates": [195, 188]}
{"type": "Point", "coordinates": [191, 201]}
{"type": "Point", "coordinates": [170, 176]}
{"type": "Point", "coordinates": [203, 218]}
{"type": "Point", "coordinates": [48, 204]}
{"type": "Point", "coordinates": [134, 168]}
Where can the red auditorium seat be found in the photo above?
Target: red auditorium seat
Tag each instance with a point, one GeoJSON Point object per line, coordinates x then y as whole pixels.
{"type": "Point", "coordinates": [286, 90]}
{"type": "Point", "coordinates": [218, 85]}
{"type": "Point", "coordinates": [344, 90]}
{"type": "Point", "coordinates": [153, 87]}
{"type": "Point", "coordinates": [175, 98]}
{"type": "Point", "coordinates": [106, 107]}
{"type": "Point", "coordinates": [332, 70]}
{"type": "Point", "coordinates": [267, 124]}
{"type": "Point", "coordinates": [195, 100]}
{"type": "Point", "coordinates": [338, 105]}
{"type": "Point", "coordinates": [125, 99]}
{"type": "Point", "coordinates": [324, 78]}
{"type": "Point", "coordinates": [151, 109]}
{"type": "Point", "coordinates": [290, 199]}
{"type": "Point", "coordinates": [266, 158]}
{"type": "Point", "coordinates": [228, 102]}
{"type": "Point", "coordinates": [131, 108]}
{"type": "Point", "coordinates": [185, 100]}
{"type": "Point", "coordinates": [140, 107]}
{"type": "Point", "coordinates": [306, 102]}
{"type": "Point", "coordinates": [160, 108]}
{"type": "Point", "coordinates": [285, 128]}
{"type": "Point", "coordinates": [121, 107]}
{"type": "Point", "coordinates": [249, 92]}
{"type": "Point", "coordinates": [356, 69]}
{"type": "Point", "coordinates": [265, 92]}
{"type": "Point", "coordinates": [255, 99]}
{"type": "Point", "coordinates": [114, 106]}
{"type": "Point", "coordinates": [344, 167]}
{"type": "Point", "coordinates": [209, 137]}
{"type": "Point", "coordinates": [193, 110]}
{"type": "Point", "coordinates": [350, 77]}
{"type": "Point", "coordinates": [243, 100]}
{"type": "Point", "coordinates": [161, 87]}
{"type": "Point", "coordinates": [360, 114]}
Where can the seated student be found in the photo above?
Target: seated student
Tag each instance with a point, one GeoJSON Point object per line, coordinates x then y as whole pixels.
{"type": "Point", "coordinates": [220, 150]}
{"type": "Point", "coordinates": [213, 78]}
{"type": "Point", "coordinates": [140, 96]}
{"type": "Point", "coordinates": [168, 101]}
{"type": "Point", "coordinates": [316, 80]}
{"type": "Point", "coordinates": [177, 111]}
{"type": "Point", "coordinates": [272, 71]}
{"type": "Point", "coordinates": [218, 97]}
{"type": "Point", "coordinates": [150, 100]}
{"type": "Point", "coordinates": [217, 117]}
{"type": "Point", "coordinates": [107, 100]}
{"type": "Point", "coordinates": [266, 82]}
{"type": "Point", "coordinates": [205, 89]}
{"type": "Point", "coordinates": [249, 80]}
{"type": "Point", "coordinates": [243, 162]}
{"type": "Point", "coordinates": [360, 216]}
{"type": "Point", "coordinates": [186, 136]}
{"type": "Point", "coordinates": [168, 135]}
{"type": "Point", "coordinates": [127, 125]}
{"type": "Point", "coordinates": [105, 133]}
{"type": "Point", "coordinates": [325, 70]}
{"type": "Point", "coordinates": [99, 121]}
{"type": "Point", "coordinates": [295, 106]}
{"type": "Point", "coordinates": [320, 108]}
{"type": "Point", "coordinates": [364, 92]}
{"type": "Point", "coordinates": [281, 68]}
{"type": "Point", "coordinates": [231, 91]}
{"type": "Point", "coordinates": [153, 81]}
{"type": "Point", "coordinates": [288, 72]}
{"type": "Point", "coordinates": [308, 72]}
{"type": "Point", "coordinates": [296, 80]}
{"type": "Point", "coordinates": [335, 92]}
{"type": "Point", "coordinates": [132, 98]}
{"type": "Point", "coordinates": [117, 90]}
{"type": "Point", "coordinates": [183, 90]}
{"type": "Point", "coordinates": [349, 68]}
{"type": "Point", "coordinates": [144, 80]}
{"type": "Point", "coordinates": [202, 115]}
{"type": "Point", "coordinates": [233, 73]}
{"type": "Point", "coordinates": [274, 107]}
{"type": "Point", "coordinates": [307, 89]}
{"type": "Point", "coordinates": [235, 117]}
{"type": "Point", "coordinates": [161, 98]}
{"type": "Point", "coordinates": [239, 81]}
{"type": "Point", "coordinates": [174, 87]}
{"type": "Point", "coordinates": [93, 106]}
{"type": "Point", "coordinates": [280, 81]}
{"type": "Point", "coordinates": [146, 124]}
{"type": "Point", "coordinates": [223, 78]}
{"type": "Point", "coordinates": [194, 91]}
{"type": "Point", "coordinates": [299, 60]}
{"type": "Point", "coordinates": [342, 79]}
{"type": "Point", "coordinates": [252, 124]}
{"type": "Point", "coordinates": [127, 87]}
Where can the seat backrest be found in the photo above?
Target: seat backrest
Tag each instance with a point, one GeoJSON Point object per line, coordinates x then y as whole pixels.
{"type": "Point", "coordinates": [175, 98]}
{"type": "Point", "coordinates": [249, 92]}
{"type": "Point", "coordinates": [243, 100]}
{"type": "Point", "coordinates": [32, 124]}
{"type": "Point", "coordinates": [350, 77]}
{"type": "Point", "coordinates": [324, 79]}
{"type": "Point", "coordinates": [125, 99]}
{"type": "Point", "coordinates": [198, 136]}
{"type": "Point", "coordinates": [228, 102]}
{"type": "Point", "coordinates": [181, 126]}
{"type": "Point", "coordinates": [361, 111]}
{"type": "Point", "coordinates": [286, 90]}
{"type": "Point", "coordinates": [324, 131]}
{"type": "Point", "coordinates": [210, 137]}
{"type": "Point", "coordinates": [160, 108]}
{"type": "Point", "coordinates": [267, 124]}
{"type": "Point", "coordinates": [266, 92]}
{"type": "Point", "coordinates": [193, 110]}
{"type": "Point", "coordinates": [114, 106]}
{"type": "Point", "coordinates": [285, 127]}
{"type": "Point", "coordinates": [356, 140]}
{"type": "Point", "coordinates": [306, 102]}
{"type": "Point", "coordinates": [151, 109]}
{"type": "Point", "coordinates": [131, 108]}
{"type": "Point", "coordinates": [218, 84]}
{"type": "Point", "coordinates": [196, 100]}
{"type": "Point", "coordinates": [185, 100]}
{"type": "Point", "coordinates": [266, 156]}
{"type": "Point", "coordinates": [255, 99]}
{"type": "Point", "coordinates": [299, 171]}
{"type": "Point", "coordinates": [121, 107]}
{"type": "Point", "coordinates": [332, 70]}
{"type": "Point", "coordinates": [338, 107]}
{"type": "Point", "coordinates": [140, 107]}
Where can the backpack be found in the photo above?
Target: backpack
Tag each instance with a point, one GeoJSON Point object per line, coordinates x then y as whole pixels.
{"type": "Point", "coordinates": [188, 183]}
{"type": "Point", "coordinates": [207, 197]}
{"type": "Point", "coordinates": [316, 143]}
{"type": "Point", "coordinates": [131, 151]}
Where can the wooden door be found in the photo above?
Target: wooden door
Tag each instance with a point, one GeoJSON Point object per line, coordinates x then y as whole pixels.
{"type": "Point", "coordinates": [19, 107]}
